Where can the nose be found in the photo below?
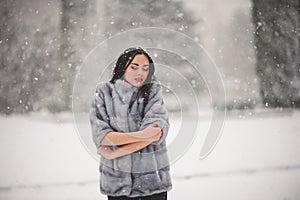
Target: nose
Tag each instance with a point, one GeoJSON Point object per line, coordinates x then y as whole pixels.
{"type": "Point", "coordinates": [140, 71]}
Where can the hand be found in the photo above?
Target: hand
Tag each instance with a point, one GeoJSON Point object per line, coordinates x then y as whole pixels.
{"type": "Point", "coordinates": [152, 132]}
{"type": "Point", "coordinates": [106, 152]}
{"type": "Point", "coordinates": [156, 137]}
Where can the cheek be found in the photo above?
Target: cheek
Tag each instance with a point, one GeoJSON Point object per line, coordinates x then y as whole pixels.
{"type": "Point", "coordinates": [128, 73]}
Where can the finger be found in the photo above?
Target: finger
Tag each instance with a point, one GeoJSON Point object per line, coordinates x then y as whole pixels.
{"type": "Point", "coordinates": [158, 129]}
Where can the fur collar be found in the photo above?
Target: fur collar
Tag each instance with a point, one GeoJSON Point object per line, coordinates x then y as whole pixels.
{"type": "Point", "coordinates": [125, 90]}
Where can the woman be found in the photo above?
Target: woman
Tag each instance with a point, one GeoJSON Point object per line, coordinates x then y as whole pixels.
{"type": "Point", "coordinates": [129, 126]}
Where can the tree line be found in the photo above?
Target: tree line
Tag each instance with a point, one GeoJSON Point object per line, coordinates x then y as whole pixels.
{"type": "Point", "coordinates": [39, 64]}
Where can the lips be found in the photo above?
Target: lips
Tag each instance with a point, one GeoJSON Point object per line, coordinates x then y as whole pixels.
{"type": "Point", "coordinates": [138, 79]}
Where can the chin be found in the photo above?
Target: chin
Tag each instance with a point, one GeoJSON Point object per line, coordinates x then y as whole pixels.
{"type": "Point", "coordinates": [139, 85]}
{"type": "Point", "coordinates": [135, 84]}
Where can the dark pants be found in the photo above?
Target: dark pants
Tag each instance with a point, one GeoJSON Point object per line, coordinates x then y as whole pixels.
{"type": "Point", "coordinates": [160, 196]}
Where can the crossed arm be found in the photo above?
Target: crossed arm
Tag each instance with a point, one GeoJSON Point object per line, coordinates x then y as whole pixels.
{"type": "Point", "coordinates": [130, 141]}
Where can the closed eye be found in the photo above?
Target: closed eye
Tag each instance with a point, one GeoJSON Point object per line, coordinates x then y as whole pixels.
{"type": "Point", "coordinates": [134, 67]}
{"type": "Point", "coordinates": [146, 67]}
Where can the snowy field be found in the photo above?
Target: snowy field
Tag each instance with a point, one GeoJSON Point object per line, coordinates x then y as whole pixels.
{"type": "Point", "coordinates": [257, 158]}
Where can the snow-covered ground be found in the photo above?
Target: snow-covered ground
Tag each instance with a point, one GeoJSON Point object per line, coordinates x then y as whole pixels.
{"type": "Point", "coordinates": [257, 157]}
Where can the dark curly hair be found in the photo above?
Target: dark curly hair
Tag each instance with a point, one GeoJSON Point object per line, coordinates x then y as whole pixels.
{"type": "Point", "coordinates": [121, 65]}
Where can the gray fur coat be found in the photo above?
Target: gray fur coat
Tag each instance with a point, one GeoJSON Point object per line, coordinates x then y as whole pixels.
{"type": "Point", "coordinates": [116, 107]}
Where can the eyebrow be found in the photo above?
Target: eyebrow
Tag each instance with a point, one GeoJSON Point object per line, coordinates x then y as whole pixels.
{"type": "Point", "coordinates": [138, 64]}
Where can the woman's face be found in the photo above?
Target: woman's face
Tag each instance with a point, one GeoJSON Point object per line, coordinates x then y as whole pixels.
{"type": "Point", "coordinates": [138, 70]}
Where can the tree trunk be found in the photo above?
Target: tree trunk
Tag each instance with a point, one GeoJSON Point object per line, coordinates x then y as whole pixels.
{"type": "Point", "coordinates": [74, 26]}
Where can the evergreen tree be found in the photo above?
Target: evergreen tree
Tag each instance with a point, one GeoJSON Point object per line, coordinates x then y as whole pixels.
{"type": "Point", "coordinates": [28, 60]}
{"type": "Point", "coordinates": [277, 47]}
